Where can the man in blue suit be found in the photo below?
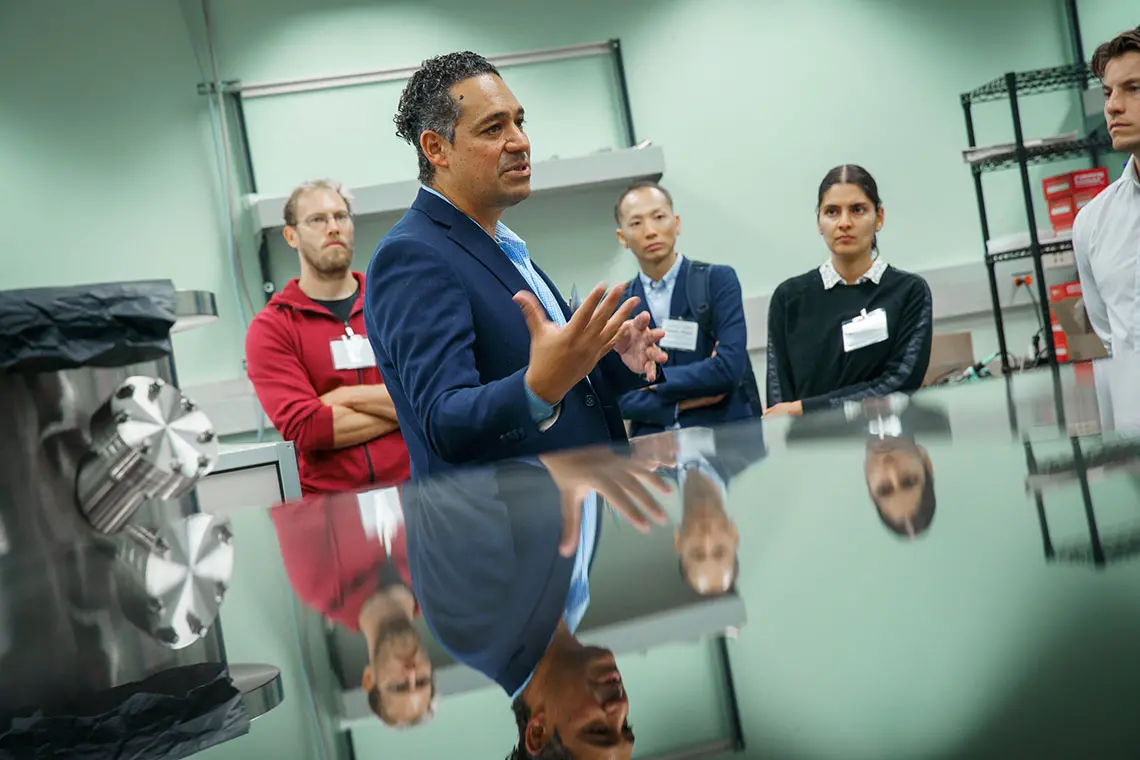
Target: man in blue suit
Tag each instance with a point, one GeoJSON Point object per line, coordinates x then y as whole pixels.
{"type": "Point", "coordinates": [710, 379]}
{"type": "Point", "coordinates": [481, 355]}
{"type": "Point", "coordinates": [500, 559]}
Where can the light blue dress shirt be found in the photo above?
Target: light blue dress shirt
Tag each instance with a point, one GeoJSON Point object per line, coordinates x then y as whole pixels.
{"type": "Point", "coordinates": [659, 301]}
{"type": "Point", "coordinates": [659, 295]}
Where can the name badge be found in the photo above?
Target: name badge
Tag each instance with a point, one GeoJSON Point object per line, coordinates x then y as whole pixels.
{"type": "Point", "coordinates": [865, 330]}
{"type": "Point", "coordinates": [352, 351]}
{"type": "Point", "coordinates": [680, 335]}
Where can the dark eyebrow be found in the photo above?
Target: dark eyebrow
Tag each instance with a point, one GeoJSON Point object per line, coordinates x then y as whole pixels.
{"type": "Point", "coordinates": [497, 116]}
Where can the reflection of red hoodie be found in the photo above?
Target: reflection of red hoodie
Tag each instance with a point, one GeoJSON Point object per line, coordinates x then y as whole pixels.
{"type": "Point", "coordinates": [332, 564]}
{"type": "Point", "coordinates": [289, 361]}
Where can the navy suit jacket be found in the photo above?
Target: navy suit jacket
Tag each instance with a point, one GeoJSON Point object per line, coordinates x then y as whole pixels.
{"type": "Point", "coordinates": [453, 348]}
{"type": "Point", "coordinates": [483, 555]}
{"type": "Point", "coordinates": [697, 374]}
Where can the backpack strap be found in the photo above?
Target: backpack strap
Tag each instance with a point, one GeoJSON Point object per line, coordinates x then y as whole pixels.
{"type": "Point", "coordinates": [700, 304]}
{"type": "Point", "coordinates": [698, 292]}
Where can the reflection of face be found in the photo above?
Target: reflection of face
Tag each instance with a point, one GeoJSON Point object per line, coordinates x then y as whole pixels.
{"type": "Point", "coordinates": [1122, 101]}
{"type": "Point", "coordinates": [848, 220]}
{"type": "Point", "coordinates": [897, 470]}
{"type": "Point", "coordinates": [584, 700]}
{"type": "Point", "coordinates": [649, 227]}
{"type": "Point", "coordinates": [402, 672]}
{"type": "Point", "coordinates": [490, 157]}
{"type": "Point", "coordinates": [324, 232]}
{"type": "Point", "coordinates": [707, 544]}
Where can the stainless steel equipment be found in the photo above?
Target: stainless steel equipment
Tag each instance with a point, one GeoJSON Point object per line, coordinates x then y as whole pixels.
{"type": "Point", "coordinates": [172, 582]}
{"type": "Point", "coordinates": [148, 441]}
{"type": "Point", "coordinates": [108, 444]}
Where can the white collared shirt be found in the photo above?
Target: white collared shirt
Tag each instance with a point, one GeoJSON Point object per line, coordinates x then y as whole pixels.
{"type": "Point", "coordinates": [1106, 241]}
{"type": "Point", "coordinates": [831, 278]}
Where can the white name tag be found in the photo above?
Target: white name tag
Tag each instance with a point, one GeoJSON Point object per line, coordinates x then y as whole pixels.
{"type": "Point", "coordinates": [680, 335]}
{"type": "Point", "coordinates": [352, 352]}
{"type": "Point", "coordinates": [865, 330]}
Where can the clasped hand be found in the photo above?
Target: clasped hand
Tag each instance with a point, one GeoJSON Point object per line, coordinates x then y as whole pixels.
{"type": "Point", "coordinates": [561, 356]}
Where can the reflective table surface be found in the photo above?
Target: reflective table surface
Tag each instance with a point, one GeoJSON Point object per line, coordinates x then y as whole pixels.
{"type": "Point", "coordinates": [948, 575]}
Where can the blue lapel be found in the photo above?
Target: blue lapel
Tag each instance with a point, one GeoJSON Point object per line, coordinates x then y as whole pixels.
{"type": "Point", "coordinates": [636, 289]}
{"type": "Point", "coordinates": [472, 238]}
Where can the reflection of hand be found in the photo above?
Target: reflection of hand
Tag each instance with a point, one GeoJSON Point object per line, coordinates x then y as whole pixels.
{"type": "Point", "coordinates": [790, 408]}
{"type": "Point", "coordinates": [620, 481]}
{"type": "Point", "coordinates": [656, 450]}
{"type": "Point", "coordinates": [698, 403]}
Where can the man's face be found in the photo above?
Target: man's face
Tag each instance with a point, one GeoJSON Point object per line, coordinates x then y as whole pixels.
{"type": "Point", "coordinates": [490, 157]}
{"type": "Point", "coordinates": [896, 471]}
{"type": "Point", "coordinates": [649, 227]}
{"type": "Point", "coordinates": [848, 220]}
{"type": "Point", "coordinates": [707, 540]}
{"type": "Point", "coordinates": [1122, 102]}
{"type": "Point", "coordinates": [402, 672]}
{"type": "Point", "coordinates": [324, 232]}
{"type": "Point", "coordinates": [584, 700]}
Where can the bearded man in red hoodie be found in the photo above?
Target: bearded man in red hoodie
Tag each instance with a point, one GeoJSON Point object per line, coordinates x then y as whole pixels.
{"type": "Point", "coordinates": [310, 361]}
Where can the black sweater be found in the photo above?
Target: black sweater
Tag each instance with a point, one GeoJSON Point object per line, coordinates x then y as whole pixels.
{"type": "Point", "coordinates": [806, 361]}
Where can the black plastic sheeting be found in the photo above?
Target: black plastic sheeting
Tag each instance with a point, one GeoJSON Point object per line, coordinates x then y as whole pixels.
{"type": "Point", "coordinates": [109, 325]}
{"type": "Point", "coordinates": [173, 714]}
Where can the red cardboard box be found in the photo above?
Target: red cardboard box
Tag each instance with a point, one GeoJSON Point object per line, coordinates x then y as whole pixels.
{"type": "Point", "coordinates": [1089, 179]}
{"type": "Point", "coordinates": [1062, 212]}
{"type": "Point", "coordinates": [1058, 186]}
{"type": "Point", "coordinates": [1073, 337]}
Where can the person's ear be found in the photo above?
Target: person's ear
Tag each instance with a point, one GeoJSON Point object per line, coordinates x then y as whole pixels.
{"type": "Point", "coordinates": [735, 534]}
{"type": "Point", "coordinates": [290, 235]}
{"type": "Point", "coordinates": [431, 143]}
{"type": "Point", "coordinates": [677, 217]}
{"type": "Point", "coordinates": [368, 680]}
{"type": "Point", "coordinates": [621, 238]}
{"type": "Point", "coordinates": [537, 736]}
{"type": "Point", "coordinates": [880, 215]}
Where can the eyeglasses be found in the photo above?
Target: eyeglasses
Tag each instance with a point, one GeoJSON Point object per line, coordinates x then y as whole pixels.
{"type": "Point", "coordinates": [321, 221]}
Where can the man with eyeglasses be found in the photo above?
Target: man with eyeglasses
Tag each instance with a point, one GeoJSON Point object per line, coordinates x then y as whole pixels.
{"type": "Point", "coordinates": [310, 362]}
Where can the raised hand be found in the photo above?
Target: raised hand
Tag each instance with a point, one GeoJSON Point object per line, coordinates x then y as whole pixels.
{"type": "Point", "coordinates": [637, 346]}
{"type": "Point", "coordinates": [561, 356]}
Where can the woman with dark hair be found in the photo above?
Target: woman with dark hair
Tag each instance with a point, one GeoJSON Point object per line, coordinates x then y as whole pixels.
{"type": "Point", "coordinates": [855, 327]}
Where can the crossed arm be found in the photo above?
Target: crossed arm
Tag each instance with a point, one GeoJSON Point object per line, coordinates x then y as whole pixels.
{"type": "Point", "coordinates": [360, 413]}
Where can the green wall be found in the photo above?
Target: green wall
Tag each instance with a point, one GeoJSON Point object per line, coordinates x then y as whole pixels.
{"type": "Point", "coordinates": [107, 172]}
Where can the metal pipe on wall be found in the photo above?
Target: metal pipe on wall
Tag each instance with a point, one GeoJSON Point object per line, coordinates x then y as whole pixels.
{"type": "Point", "coordinates": [291, 86]}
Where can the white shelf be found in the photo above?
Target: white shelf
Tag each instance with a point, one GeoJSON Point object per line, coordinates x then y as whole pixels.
{"type": "Point", "coordinates": [1019, 241]}
{"type": "Point", "coordinates": [615, 167]}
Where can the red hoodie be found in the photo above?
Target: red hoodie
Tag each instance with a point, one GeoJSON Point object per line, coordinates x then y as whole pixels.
{"type": "Point", "coordinates": [332, 564]}
{"type": "Point", "coordinates": [289, 361]}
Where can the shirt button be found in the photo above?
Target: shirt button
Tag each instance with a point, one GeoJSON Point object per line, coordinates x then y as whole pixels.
{"type": "Point", "coordinates": [590, 400]}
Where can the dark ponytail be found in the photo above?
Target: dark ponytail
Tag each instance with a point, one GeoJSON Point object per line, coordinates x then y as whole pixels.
{"type": "Point", "coordinates": [852, 174]}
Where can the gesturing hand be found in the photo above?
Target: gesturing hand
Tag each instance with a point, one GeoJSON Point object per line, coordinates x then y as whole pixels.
{"type": "Point", "coordinates": [561, 356]}
{"type": "Point", "coordinates": [620, 481]}
{"type": "Point", "coordinates": [637, 346]}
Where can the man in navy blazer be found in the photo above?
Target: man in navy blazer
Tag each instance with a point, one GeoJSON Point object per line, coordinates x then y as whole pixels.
{"type": "Point", "coordinates": [500, 558]}
{"type": "Point", "coordinates": [707, 370]}
{"type": "Point", "coordinates": [481, 355]}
